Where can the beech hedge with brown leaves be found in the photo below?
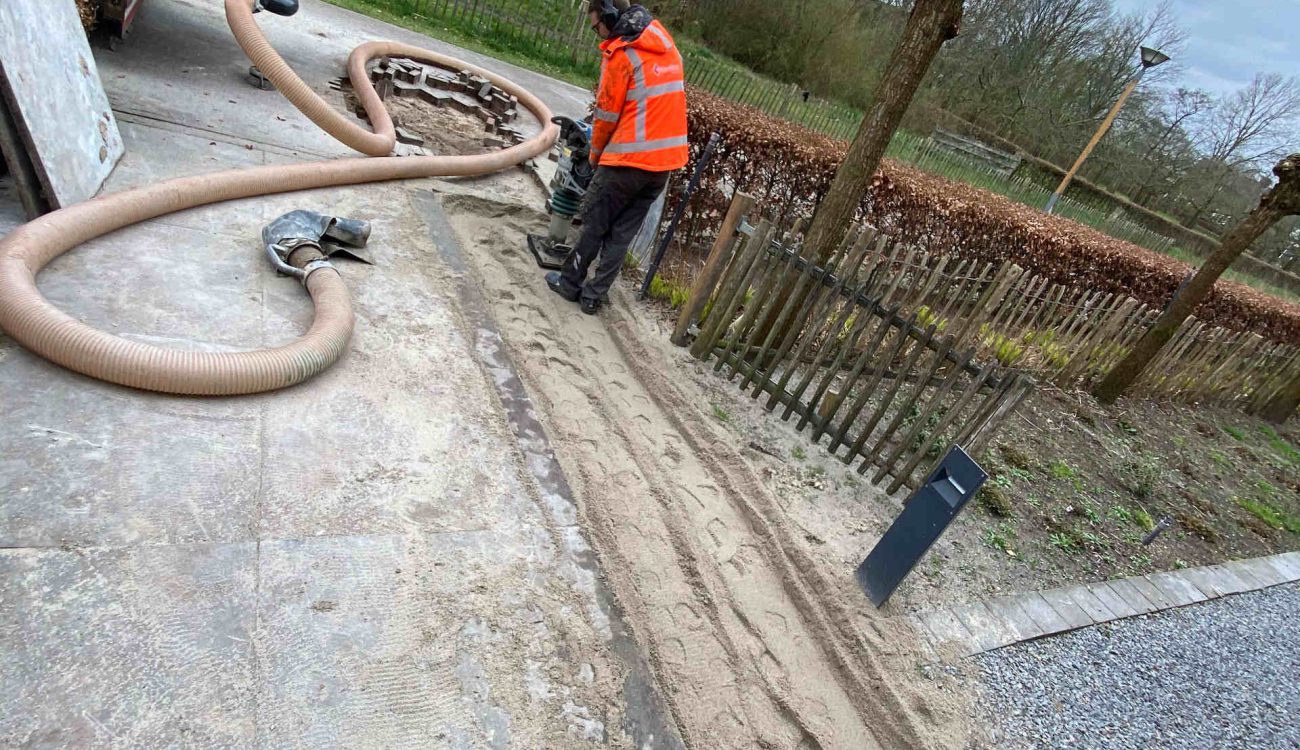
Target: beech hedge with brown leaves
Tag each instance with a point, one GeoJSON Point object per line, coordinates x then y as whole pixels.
{"type": "Point", "coordinates": [788, 168]}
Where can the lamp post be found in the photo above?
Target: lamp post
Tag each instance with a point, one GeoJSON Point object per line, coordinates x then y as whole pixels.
{"type": "Point", "coordinates": [1150, 59]}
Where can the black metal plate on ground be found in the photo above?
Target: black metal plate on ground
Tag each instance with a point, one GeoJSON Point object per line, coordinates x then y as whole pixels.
{"type": "Point", "coordinates": [546, 259]}
{"type": "Point", "coordinates": [925, 516]}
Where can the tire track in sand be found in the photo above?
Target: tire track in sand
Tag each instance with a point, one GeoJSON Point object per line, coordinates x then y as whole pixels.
{"type": "Point", "coordinates": [748, 652]}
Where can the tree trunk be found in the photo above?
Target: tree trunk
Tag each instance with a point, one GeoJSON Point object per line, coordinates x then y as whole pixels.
{"type": "Point", "coordinates": [930, 24]}
{"type": "Point", "coordinates": [1284, 404]}
{"type": "Point", "coordinates": [1282, 200]}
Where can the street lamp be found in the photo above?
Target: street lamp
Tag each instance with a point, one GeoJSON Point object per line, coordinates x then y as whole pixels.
{"type": "Point", "coordinates": [1150, 59]}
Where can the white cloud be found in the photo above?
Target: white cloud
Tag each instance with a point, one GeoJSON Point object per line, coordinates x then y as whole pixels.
{"type": "Point", "coordinates": [1229, 41]}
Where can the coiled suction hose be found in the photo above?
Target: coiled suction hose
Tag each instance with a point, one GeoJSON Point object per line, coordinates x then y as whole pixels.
{"type": "Point", "coordinates": [30, 319]}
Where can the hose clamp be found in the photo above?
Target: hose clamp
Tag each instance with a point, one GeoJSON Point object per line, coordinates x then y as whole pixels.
{"type": "Point", "coordinates": [278, 254]}
{"type": "Point", "coordinates": [314, 266]}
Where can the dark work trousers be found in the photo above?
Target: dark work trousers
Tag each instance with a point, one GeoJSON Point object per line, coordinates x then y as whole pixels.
{"type": "Point", "coordinates": [617, 203]}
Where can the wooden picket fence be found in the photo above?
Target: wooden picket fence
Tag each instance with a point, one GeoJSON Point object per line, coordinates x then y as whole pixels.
{"type": "Point", "coordinates": [832, 346]}
{"type": "Point", "coordinates": [1060, 333]}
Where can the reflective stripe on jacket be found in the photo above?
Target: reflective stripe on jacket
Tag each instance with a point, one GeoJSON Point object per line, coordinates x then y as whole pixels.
{"type": "Point", "coordinates": [640, 116]}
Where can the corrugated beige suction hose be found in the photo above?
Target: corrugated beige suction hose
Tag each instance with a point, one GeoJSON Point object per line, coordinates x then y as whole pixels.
{"type": "Point", "coordinates": [30, 319]}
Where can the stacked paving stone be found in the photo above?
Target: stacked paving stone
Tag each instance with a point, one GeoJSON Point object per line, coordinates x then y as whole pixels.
{"type": "Point", "coordinates": [463, 91]}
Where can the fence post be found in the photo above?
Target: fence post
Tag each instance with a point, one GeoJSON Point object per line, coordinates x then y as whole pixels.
{"type": "Point", "coordinates": [708, 276]}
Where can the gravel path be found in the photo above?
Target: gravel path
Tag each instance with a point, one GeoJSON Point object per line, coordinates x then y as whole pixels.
{"type": "Point", "coordinates": [1220, 675]}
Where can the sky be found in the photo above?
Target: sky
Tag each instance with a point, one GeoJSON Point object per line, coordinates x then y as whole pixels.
{"type": "Point", "coordinates": [1229, 41]}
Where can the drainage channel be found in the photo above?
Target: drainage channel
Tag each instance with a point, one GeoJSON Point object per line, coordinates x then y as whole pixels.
{"type": "Point", "coordinates": [646, 718]}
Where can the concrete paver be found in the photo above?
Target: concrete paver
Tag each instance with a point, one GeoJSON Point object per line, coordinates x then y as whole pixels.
{"type": "Point", "coordinates": [1042, 613]}
{"type": "Point", "coordinates": [1288, 563]}
{"type": "Point", "coordinates": [948, 630]}
{"type": "Point", "coordinates": [1177, 589]}
{"type": "Point", "coordinates": [1008, 610]}
{"type": "Point", "coordinates": [1132, 596]}
{"type": "Point", "coordinates": [987, 628]}
{"type": "Point", "coordinates": [1204, 580]}
{"type": "Point", "coordinates": [1112, 601]}
{"type": "Point", "coordinates": [991, 623]}
{"type": "Point", "coordinates": [1066, 607]}
{"type": "Point", "coordinates": [1089, 603]}
{"type": "Point", "coordinates": [1152, 593]}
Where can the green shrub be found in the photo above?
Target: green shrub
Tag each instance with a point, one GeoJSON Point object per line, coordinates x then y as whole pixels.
{"type": "Point", "coordinates": [1061, 470]}
{"type": "Point", "coordinates": [668, 291]}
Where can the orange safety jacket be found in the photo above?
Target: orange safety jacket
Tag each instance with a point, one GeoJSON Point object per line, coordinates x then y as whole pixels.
{"type": "Point", "coordinates": [640, 116]}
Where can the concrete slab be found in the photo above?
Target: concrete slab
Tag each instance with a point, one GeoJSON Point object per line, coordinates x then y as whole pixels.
{"type": "Point", "coordinates": [148, 646]}
{"type": "Point", "coordinates": [1177, 589]}
{"type": "Point", "coordinates": [363, 561]}
{"type": "Point", "coordinates": [1132, 596]}
{"type": "Point", "coordinates": [1042, 613]}
{"type": "Point", "coordinates": [1089, 603]}
{"type": "Point", "coordinates": [1112, 601]}
{"type": "Point", "coordinates": [83, 463]}
{"type": "Point", "coordinates": [988, 630]}
{"type": "Point", "coordinates": [1067, 608]}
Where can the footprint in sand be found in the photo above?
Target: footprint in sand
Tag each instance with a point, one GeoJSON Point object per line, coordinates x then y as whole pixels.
{"type": "Point", "coordinates": [673, 652]}
{"type": "Point", "coordinates": [563, 363]}
{"type": "Point", "coordinates": [686, 616]}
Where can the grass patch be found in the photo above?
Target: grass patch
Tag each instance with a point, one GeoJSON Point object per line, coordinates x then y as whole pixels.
{"type": "Point", "coordinates": [721, 414]}
{"type": "Point", "coordinates": [673, 293]}
{"type": "Point", "coordinates": [926, 318]}
{"type": "Point", "coordinates": [518, 49]}
{"type": "Point", "coordinates": [1061, 470]}
{"type": "Point", "coordinates": [1235, 433]}
{"type": "Point", "coordinates": [1066, 541]}
{"type": "Point", "coordinates": [799, 453]}
{"type": "Point", "coordinates": [1000, 538]}
{"type": "Point", "coordinates": [1280, 445]}
{"type": "Point", "coordinates": [1144, 520]}
{"type": "Point", "coordinates": [1270, 514]}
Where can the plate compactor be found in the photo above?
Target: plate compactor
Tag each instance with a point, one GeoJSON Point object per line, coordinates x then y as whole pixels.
{"type": "Point", "coordinates": [573, 173]}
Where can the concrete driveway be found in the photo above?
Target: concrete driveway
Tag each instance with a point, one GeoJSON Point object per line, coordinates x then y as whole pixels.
{"type": "Point", "coordinates": [366, 560]}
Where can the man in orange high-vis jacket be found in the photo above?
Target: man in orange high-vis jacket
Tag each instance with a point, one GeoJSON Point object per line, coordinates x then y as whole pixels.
{"type": "Point", "coordinates": [638, 138]}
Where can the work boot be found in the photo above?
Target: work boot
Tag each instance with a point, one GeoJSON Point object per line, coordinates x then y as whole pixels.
{"type": "Point", "coordinates": [556, 282]}
{"type": "Point", "coordinates": [590, 306]}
